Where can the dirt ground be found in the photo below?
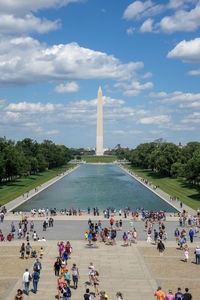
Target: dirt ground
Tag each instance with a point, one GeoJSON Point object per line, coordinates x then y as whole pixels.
{"type": "Point", "coordinates": [171, 272]}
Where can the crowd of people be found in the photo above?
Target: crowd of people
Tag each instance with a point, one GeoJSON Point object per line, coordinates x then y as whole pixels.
{"type": "Point", "coordinates": [68, 277]}
{"type": "Point", "coordinates": [178, 295]}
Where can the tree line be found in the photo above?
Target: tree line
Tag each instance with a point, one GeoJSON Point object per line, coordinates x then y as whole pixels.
{"type": "Point", "coordinates": [168, 159]}
{"type": "Point", "coordinates": [29, 157]}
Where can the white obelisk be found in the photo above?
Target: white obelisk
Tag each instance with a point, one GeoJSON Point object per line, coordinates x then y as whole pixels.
{"type": "Point", "coordinates": [99, 145]}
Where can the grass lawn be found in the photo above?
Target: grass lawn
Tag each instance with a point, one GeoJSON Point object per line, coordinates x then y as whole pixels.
{"type": "Point", "coordinates": [12, 190]}
{"type": "Point", "coordinates": [99, 159]}
{"type": "Point", "coordinates": [187, 192]}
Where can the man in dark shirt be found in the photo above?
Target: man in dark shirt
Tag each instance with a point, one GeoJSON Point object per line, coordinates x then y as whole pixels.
{"type": "Point", "coordinates": [87, 295]}
{"type": "Point", "coordinates": [179, 295]}
{"type": "Point", "coordinates": [187, 296]}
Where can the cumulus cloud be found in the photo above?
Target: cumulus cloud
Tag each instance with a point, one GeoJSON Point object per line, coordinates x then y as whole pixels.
{"type": "Point", "coordinates": [139, 9]}
{"type": "Point", "coordinates": [185, 15]}
{"type": "Point", "coordinates": [17, 17]}
{"type": "Point", "coordinates": [147, 26]}
{"type": "Point", "coordinates": [23, 6]}
{"type": "Point", "coordinates": [25, 61]}
{"type": "Point", "coordinates": [188, 51]}
{"type": "Point", "coordinates": [69, 87]}
{"type": "Point", "coordinates": [176, 97]}
{"type": "Point", "coordinates": [181, 21]}
{"type": "Point", "coordinates": [10, 24]}
{"type": "Point", "coordinates": [134, 88]}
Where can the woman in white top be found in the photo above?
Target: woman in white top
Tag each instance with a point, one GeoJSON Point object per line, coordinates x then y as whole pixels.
{"type": "Point", "coordinates": [91, 272]}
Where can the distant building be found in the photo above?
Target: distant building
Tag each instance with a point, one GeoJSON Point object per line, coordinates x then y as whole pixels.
{"type": "Point", "coordinates": [180, 146]}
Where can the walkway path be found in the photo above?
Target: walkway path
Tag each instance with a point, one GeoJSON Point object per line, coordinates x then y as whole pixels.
{"type": "Point", "coordinates": [18, 201]}
{"type": "Point", "coordinates": [120, 268]}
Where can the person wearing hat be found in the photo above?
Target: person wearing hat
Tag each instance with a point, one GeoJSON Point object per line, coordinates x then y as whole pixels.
{"type": "Point", "coordinates": [197, 254]}
{"type": "Point", "coordinates": [179, 295]}
{"type": "Point", "coordinates": [159, 294]}
{"type": "Point", "coordinates": [170, 296]}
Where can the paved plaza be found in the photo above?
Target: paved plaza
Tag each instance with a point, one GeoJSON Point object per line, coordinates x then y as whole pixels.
{"type": "Point", "coordinates": [136, 271]}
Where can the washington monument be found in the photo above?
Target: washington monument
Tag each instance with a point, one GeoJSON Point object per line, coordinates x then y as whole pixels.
{"type": "Point", "coordinates": [99, 145]}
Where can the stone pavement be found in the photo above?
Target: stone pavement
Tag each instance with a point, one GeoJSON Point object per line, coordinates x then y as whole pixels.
{"type": "Point", "coordinates": [75, 229]}
{"type": "Point", "coordinates": [120, 268]}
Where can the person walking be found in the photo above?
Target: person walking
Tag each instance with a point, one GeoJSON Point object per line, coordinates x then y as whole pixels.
{"type": "Point", "coordinates": [191, 235]}
{"type": "Point", "coordinates": [170, 296]}
{"type": "Point", "coordinates": [37, 265]}
{"type": "Point", "coordinates": [87, 295]}
{"type": "Point", "coordinates": [75, 275]}
{"type": "Point", "coordinates": [197, 255]}
{"type": "Point", "coordinates": [91, 273]}
{"type": "Point", "coordinates": [96, 283]}
{"type": "Point", "coordinates": [22, 250]}
{"type": "Point", "coordinates": [26, 280]}
{"type": "Point", "coordinates": [161, 247]}
{"type": "Point", "coordinates": [66, 292]}
{"type": "Point", "coordinates": [187, 295]}
{"type": "Point", "coordinates": [67, 277]}
{"type": "Point", "coordinates": [159, 294]}
{"type": "Point", "coordinates": [186, 253]}
{"type": "Point", "coordinates": [35, 276]}
{"type": "Point", "coordinates": [60, 285]}
{"type": "Point", "coordinates": [57, 266]}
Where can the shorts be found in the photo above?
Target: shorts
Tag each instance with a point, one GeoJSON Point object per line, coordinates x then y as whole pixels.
{"type": "Point", "coordinates": [96, 283]}
{"type": "Point", "coordinates": [75, 278]}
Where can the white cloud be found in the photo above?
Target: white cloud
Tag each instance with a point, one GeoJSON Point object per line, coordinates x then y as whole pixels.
{"type": "Point", "coordinates": [188, 51]}
{"type": "Point", "coordinates": [194, 72]}
{"type": "Point", "coordinates": [24, 6]}
{"type": "Point", "coordinates": [136, 8]}
{"type": "Point", "coordinates": [147, 26]}
{"type": "Point", "coordinates": [139, 9]}
{"type": "Point", "coordinates": [30, 107]}
{"type": "Point", "coordinates": [52, 132]}
{"type": "Point", "coordinates": [182, 128]}
{"type": "Point", "coordinates": [193, 118]}
{"type": "Point", "coordinates": [177, 97]}
{"type": "Point", "coordinates": [156, 120]}
{"type": "Point", "coordinates": [16, 17]}
{"type": "Point", "coordinates": [25, 61]}
{"type": "Point", "coordinates": [69, 87]}
{"type": "Point", "coordinates": [130, 30]}
{"type": "Point", "coordinates": [185, 17]}
{"type": "Point", "coordinates": [158, 95]}
{"type": "Point", "coordinates": [134, 88]}
{"type": "Point", "coordinates": [181, 21]}
{"type": "Point", "coordinates": [10, 24]}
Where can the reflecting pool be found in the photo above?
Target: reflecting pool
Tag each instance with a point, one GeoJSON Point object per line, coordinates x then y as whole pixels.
{"type": "Point", "coordinates": [99, 186]}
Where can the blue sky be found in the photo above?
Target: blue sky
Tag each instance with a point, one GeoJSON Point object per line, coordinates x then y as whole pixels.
{"type": "Point", "coordinates": [54, 54]}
